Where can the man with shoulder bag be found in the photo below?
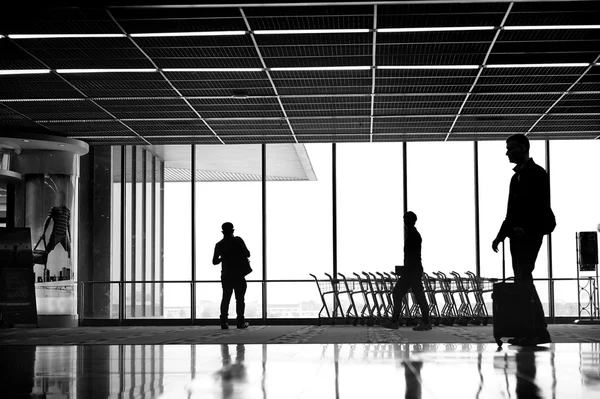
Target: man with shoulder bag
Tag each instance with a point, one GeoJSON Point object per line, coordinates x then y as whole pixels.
{"type": "Point", "coordinates": [233, 255]}
{"type": "Point", "coordinates": [528, 218]}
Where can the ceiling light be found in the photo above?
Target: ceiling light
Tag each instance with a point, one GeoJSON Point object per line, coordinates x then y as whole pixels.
{"type": "Point", "coordinates": [428, 67]}
{"type": "Point", "coordinates": [308, 31]}
{"type": "Point", "coordinates": [435, 29]}
{"type": "Point", "coordinates": [66, 36]}
{"type": "Point", "coordinates": [332, 68]}
{"type": "Point", "coordinates": [212, 69]}
{"type": "Point", "coordinates": [23, 71]}
{"type": "Point", "coordinates": [550, 27]}
{"type": "Point", "coordinates": [557, 65]}
{"type": "Point", "coordinates": [189, 34]}
{"type": "Point", "coordinates": [105, 70]}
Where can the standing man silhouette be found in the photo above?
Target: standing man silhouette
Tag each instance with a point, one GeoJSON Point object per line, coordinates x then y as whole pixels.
{"type": "Point", "coordinates": [231, 252]}
{"type": "Point", "coordinates": [528, 219]}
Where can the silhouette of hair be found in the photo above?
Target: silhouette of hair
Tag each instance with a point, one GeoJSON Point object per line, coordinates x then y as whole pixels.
{"type": "Point", "coordinates": [227, 227]}
{"type": "Point", "coordinates": [410, 217]}
{"type": "Point", "coordinates": [520, 139]}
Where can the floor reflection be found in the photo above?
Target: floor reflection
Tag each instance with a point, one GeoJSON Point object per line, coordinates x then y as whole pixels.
{"type": "Point", "coordinates": [303, 371]}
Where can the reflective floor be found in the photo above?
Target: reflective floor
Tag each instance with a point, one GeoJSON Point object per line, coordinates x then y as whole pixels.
{"type": "Point", "coordinates": [302, 371]}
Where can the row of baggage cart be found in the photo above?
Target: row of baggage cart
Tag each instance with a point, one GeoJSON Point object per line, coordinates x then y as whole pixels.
{"type": "Point", "coordinates": [451, 299]}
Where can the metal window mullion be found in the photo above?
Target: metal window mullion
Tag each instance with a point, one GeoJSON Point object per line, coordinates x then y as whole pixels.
{"type": "Point", "coordinates": [551, 309]}
{"type": "Point", "coordinates": [153, 238]}
{"type": "Point", "coordinates": [133, 227]}
{"type": "Point", "coordinates": [264, 230]}
{"type": "Point", "coordinates": [404, 178]}
{"type": "Point", "coordinates": [476, 195]}
{"type": "Point", "coordinates": [161, 260]}
{"type": "Point", "coordinates": [193, 231]}
{"type": "Point", "coordinates": [143, 265]}
{"type": "Point", "coordinates": [334, 240]}
{"type": "Point", "coordinates": [123, 260]}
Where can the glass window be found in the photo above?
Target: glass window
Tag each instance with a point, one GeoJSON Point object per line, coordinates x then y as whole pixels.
{"type": "Point", "coordinates": [575, 192]}
{"type": "Point", "coordinates": [495, 173]}
{"type": "Point", "coordinates": [441, 192]}
{"type": "Point", "coordinates": [370, 205]}
{"type": "Point", "coordinates": [299, 223]}
{"type": "Point", "coordinates": [177, 229]}
{"type": "Point", "coordinates": [228, 189]}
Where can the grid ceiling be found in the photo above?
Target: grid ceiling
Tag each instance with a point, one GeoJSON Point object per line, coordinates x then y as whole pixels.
{"type": "Point", "coordinates": [288, 86]}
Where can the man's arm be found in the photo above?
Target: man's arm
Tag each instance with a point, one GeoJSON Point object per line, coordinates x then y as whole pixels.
{"type": "Point", "coordinates": [217, 255]}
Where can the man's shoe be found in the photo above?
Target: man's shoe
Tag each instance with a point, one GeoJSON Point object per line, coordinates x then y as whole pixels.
{"type": "Point", "coordinates": [224, 326]}
{"type": "Point", "coordinates": [391, 324]}
{"type": "Point", "coordinates": [244, 325]}
{"type": "Point", "coordinates": [423, 327]}
{"type": "Point", "coordinates": [515, 340]}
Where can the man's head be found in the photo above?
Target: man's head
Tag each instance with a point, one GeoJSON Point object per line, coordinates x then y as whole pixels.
{"type": "Point", "coordinates": [227, 228]}
{"type": "Point", "coordinates": [517, 149]}
{"type": "Point", "coordinates": [410, 218]}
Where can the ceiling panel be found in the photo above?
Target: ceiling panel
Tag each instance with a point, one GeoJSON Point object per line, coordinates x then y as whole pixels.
{"type": "Point", "coordinates": [76, 53]}
{"type": "Point", "coordinates": [393, 81]}
{"type": "Point", "coordinates": [502, 104]}
{"type": "Point", "coordinates": [29, 87]}
{"type": "Point", "coordinates": [442, 14]}
{"type": "Point", "coordinates": [433, 48]}
{"type": "Point", "coordinates": [251, 107]}
{"type": "Point", "coordinates": [148, 108]}
{"type": "Point", "coordinates": [322, 82]}
{"type": "Point", "coordinates": [177, 19]}
{"type": "Point", "coordinates": [168, 127]}
{"type": "Point", "coordinates": [302, 107]}
{"type": "Point", "coordinates": [554, 13]}
{"type": "Point", "coordinates": [126, 84]}
{"type": "Point", "coordinates": [250, 127]}
{"type": "Point", "coordinates": [413, 125]}
{"type": "Point", "coordinates": [201, 52]}
{"type": "Point", "coordinates": [546, 46]}
{"type": "Point", "coordinates": [66, 110]}
{"type": "Point", "coordinates": [353, 49]}
{"type": "Point", "coordinates": [494, 123]}
{"type": "Point", "coordinates": [225, 84]}
{"type": "Point", "coordinates": [310, 16]}
{"type": "Point", "coordinates": [418, 105]}
{"type": "Point", "coordinates": [345, 126]}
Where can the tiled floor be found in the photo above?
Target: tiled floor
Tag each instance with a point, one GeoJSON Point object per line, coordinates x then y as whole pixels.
{"type": "Point", "coordinates": [428, 370]}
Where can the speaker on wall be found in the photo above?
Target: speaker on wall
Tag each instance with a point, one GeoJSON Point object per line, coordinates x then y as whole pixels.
{"type": "Point", "coordinates": [587, 246]}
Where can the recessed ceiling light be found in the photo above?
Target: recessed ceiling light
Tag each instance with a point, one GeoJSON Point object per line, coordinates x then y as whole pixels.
{"type": "Point", "coordinates": [61, 145]}
{"type": "Point", "coordinates": [190, 34]}
{"type": "Point", "coordinates": [26, 141]}
{"type": "Point", "coordinates": [428, 67]}
{"type": "Point", "coordinates": [550, 27]}
{"type": "Point", "coordinates": [308, 31]}
{"type": "Point", "coordinates": [66, 36]}
{"type": "Point", "coordinates": [23, 71]}
{"type": "Point", "coordinates": [557, 65]}
{"type": "Point", "coordinates": [331, 68]}
{"type": "Point", "coordinates": [212, 69]}
{"type": "Point", "coordinates": [119, 70]}
{"type": "Point", "coordinates": [435, 29]}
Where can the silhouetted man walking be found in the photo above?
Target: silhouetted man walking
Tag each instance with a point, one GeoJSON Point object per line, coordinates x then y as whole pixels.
{"type": "Point", "coordinates": [528, 219]}
{"type": "Point", "coordinates": [411, 276]}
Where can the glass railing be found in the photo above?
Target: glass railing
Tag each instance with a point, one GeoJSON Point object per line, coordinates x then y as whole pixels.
{"type": "Point", "coordinates": [286, 299]}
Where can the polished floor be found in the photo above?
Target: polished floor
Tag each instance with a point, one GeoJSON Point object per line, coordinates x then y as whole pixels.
{"type": "Point", "coordinates": [426, 370]}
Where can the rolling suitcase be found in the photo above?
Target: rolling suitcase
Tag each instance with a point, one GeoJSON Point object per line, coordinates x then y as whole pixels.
{"type": "Point", "coordinates": [513, 308]}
